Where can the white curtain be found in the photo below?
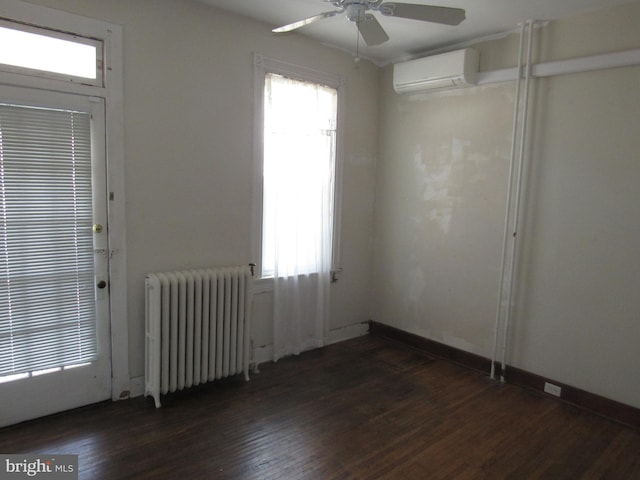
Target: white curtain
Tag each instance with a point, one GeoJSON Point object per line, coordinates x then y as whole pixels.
{"type": "Point", "coordinates": [299, 158]}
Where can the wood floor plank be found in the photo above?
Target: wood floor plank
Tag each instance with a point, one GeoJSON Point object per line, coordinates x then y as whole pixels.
{"type": "Point", "coordinates": [363, 409]}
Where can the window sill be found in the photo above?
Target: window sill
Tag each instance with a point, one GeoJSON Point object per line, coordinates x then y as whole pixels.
{"type": "Point", "coordinates": [263, 285]}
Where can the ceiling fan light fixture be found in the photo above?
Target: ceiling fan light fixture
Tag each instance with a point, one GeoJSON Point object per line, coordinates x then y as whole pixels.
{"type": "Point", "coordinates": [387, 9]}
{"type": "Point", "coordinates": [355, 12]}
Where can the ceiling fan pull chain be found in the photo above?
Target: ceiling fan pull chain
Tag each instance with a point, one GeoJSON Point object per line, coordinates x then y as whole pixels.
{"type": "Point", "coordinates": [357, 59]}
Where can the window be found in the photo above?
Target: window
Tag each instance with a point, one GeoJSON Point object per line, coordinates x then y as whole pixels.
{"type": "Point", "coordinates": [300, 121]}
{"type": "Point", "coordinates": [46, 53]}
{"type": "Point", "coordinates": [298, 141]}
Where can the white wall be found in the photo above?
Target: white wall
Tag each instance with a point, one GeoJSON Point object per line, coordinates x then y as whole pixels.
{"type": "Point", "coordinates": [189, 153]}
{"type": "Point", "coordinates": [440, 202]}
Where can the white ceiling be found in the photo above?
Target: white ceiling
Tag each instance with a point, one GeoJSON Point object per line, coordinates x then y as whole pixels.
{"type": "Point", "coordinates": [410, 37]}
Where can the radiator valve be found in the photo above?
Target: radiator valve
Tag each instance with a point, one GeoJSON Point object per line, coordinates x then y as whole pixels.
{"type": "Point", "coordinates": [335, 274]}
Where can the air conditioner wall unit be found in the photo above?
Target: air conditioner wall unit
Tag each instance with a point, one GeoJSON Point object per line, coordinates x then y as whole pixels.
{"type": "Point", "coordinates": [447, 70]}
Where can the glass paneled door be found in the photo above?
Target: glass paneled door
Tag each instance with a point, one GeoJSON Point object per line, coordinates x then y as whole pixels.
{"type": "Point", "coordinates": [54, 254]}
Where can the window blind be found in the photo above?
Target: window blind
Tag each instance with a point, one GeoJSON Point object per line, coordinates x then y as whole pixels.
{"type": "Point", "coordinates": [47, 300]}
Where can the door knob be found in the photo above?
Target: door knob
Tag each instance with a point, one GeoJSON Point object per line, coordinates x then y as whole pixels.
{"type": "Point", "coordinates": [102, 284]}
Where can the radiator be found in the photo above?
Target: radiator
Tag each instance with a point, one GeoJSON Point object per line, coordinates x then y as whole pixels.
{"type": "Point", "coordinates": [197, 327]}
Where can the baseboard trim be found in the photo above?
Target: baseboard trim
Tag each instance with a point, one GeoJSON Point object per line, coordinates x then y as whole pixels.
{"type": "Point", "coordinates": [452, 354]}
{"type": "Point", "coordinates": [264, 353]}
{"type": "Point", "coordinates": [347, 333]}
{"type": "Point", "coordinates": [611, 409]}
{"type": "Point", "coordinates": [136, 387]}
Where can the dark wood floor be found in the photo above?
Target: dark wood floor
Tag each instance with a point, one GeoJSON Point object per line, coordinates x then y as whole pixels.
{"type": "Point", "coordinates": [362, 409]}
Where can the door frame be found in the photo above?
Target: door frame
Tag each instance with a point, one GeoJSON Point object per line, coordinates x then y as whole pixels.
{"type": "Point", "coordinates": [112, 94]}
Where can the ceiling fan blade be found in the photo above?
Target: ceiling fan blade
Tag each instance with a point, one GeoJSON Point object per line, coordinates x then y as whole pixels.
{"type": "Point", "coordinates": [306, 21]}
{"type": "Point", "coordinates": [426, 13]}
{"type": "Point", "coordinates": [371, 31]}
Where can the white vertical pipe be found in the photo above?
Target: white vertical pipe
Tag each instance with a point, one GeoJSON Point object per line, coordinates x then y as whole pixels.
{"type": "Point", "coordinates": [516, 214]}
{"type": "Point", "coordinates": [512, 156]}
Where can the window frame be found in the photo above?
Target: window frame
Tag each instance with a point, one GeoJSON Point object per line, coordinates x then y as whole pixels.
{"type": "Point", "coordinates": [59, 35]}
{"type": "Point", "coordinates": [262, 66]}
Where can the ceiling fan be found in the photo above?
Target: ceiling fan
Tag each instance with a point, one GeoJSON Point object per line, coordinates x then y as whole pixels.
{"type": "Point", "coordinates": [369, 27]}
